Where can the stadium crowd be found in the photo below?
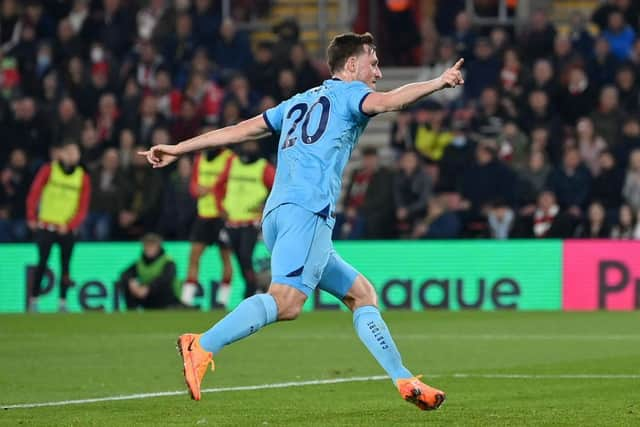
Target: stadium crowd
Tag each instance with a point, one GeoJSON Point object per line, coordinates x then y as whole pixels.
{"type": "Point", "coordinates": [543, 140]}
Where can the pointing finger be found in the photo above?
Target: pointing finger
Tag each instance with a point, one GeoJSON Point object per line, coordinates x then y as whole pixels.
{"type": "Point", "coordinates": [458, 64]}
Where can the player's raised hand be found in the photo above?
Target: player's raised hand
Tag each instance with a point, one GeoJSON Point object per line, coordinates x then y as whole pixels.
{"type": "Point", "coordinates": [452, 77]}
{"type": "Point", "coordinates": [160, 155]}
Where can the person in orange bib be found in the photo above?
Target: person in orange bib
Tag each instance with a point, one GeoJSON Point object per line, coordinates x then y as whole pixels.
{"type": "Point", "coordinates": [57, 205]}
{"type": "Point", "coordinates": [209, 227]}
{"type": "Point", "coordinates": [243, 188]}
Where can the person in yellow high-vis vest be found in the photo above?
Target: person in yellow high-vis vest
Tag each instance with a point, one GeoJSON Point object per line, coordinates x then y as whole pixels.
{"type": "Point", "coordinates": [209, 227]}
{"type": "Point", "coordinates": [57, 205]}
{"type": "Point", "coordinates": [243, 188]}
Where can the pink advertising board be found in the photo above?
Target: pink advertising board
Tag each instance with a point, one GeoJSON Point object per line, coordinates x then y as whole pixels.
{"type": "Point", "coordinates": [601, 275]}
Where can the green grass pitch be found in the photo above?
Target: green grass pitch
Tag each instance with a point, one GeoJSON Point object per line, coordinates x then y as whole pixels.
{"type": "Point", "coordinates": [575, 369]}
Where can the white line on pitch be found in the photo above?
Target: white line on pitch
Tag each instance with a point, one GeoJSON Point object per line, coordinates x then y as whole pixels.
{"type": "Point", "coordinates": [316, 382]}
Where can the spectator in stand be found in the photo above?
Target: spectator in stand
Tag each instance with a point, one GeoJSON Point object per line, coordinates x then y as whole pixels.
{"type": "Point", "coordinates": [463, 35]}
{"type": "Point", "coordinates": [306, 74]}
{"type": "Point", "coordinates": [607, 185]}
{"type": "Point", "coordinates": [107, 183]}
{"type": "Point", "coordinates": [500, 39]}
{"type": "Point", "coordinates": [539, 37]}
{"type": "Point", "coordinates": [160, 135]}
{"type": "Point", "coordinates": [577, 97]}
{"type": "Point", "coordinates": [563, 56]}
{"type": "Point", "coordinates": [571, 182]}
{"type": "Point", "coordinates": [114, 26]}
{"type": "Point", "coordinates": [57, 205]}
{"type": "Point", "coordinates": [634, 56]}
{"type": "Point", "coordinates": [431, 136]}
{"type": "Point", "coordinates": [91, 147]}
{"type": "Point", "coordinates": [29, 131]}
{"type": "Point", "coordinates": [207, 94]}
{"type": "Point", "coordinates": [625, 226]}
{"type": "Point", "coordinates": [49, 93]}
{"type": "Point", "coordinates": [78, 15]}
{"type": "Point", "coordinates": [368, 201]}
{"type": "Point", "coordinates": [548, 220]}
{"type": "Point", "coordinates": [513, 146]}
{"type": "Point", "coordinates": [263, 72]}
{"type": "Point", "coordinates": [595, 226]}
{"type": "Point", "coordinates": [439, 223]}
{"type": "Point", "coordinates": [206, 24]}
{"type": "Point", "coordinates": [108, 120]}
{"type": "Point", "coordinates": [168, 100]}
{"type": "Point", "coordinates": [148, 17]}
{"type": "Point", "coordinates": [127, 142]}
{"type": "Point", "coordinates": [500, 217]}
{"type": "Point", "coordinates": [188, 122]}
{"type": "Point", "coordinates": [581, 38]}
{"type": "Point", "coordinates": [490, 116]}
{"type": "Point", "coordinates": [146, 65]}
{"type": "Point", "coordinates": [628, 91]}
{"type": "Point", "coordinates": [447, 56]}
{"type": "Point", "coordinates": [15, 180]}
{"type": "Point", "coordinates": [287, 85]}
{"type": "Point", "coordinates": [538, 113]}
{"type": "Point", "coordinates": [412, 189]}
{"type": "Point", "coordinates": [148, 120]}
{"type": "Point", "coordinates": [486, 181]}
{"type": "Point", "coordinates": [619, 35]}
{"type": "Point", "coordinates": [151, 281]}
{"type": "Point", "coordinates": [239, 90]}
{"type": "Point", "coordinates": [531, 181]}
{"type": "Point", "coordinates": [178, 207]}
{"type": "Point", "coordinates": [630, 141]}
{"type": "Point", "coordinates": [232, 51]}
{"type": "Point", "coordinates": [68, 123]}
{"type": "Point", "coordinates": [513, 76]}
{"type": "Point", "coordinates": [456, 158]}
{"type": "Point", "coordinates": [401, 133]}
{"type": "Point", "coordinates": [631, 189]}
{"type": "Point", "coordinates": [608, 117]}
{"type": "Point", "coordinates": [67, 44]}
{"type": "Point", "coordinates": [482, 71]}
{"type": "Point", "coordinates": [402, 34]}
{"type": "Point", "coordinates": [231, 114]}
{"type": "Point", "coordinates": [179, 46]}
{"type": "Point", "coordinates": [543, 79]}
{"type": "Point", "coordinates": [141, 199]}
{"type": "Point", "coordinates": [602, 65]}
{"type": "Point", "coordinates": [590, 145]}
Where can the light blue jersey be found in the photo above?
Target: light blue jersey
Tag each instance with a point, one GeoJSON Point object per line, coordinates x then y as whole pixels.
{"type": "Point", "coordinates": [318, 130]}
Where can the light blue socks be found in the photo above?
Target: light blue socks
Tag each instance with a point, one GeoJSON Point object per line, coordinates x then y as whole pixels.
{"type": "Point", "coordinates": [249, 317]}
{"type": "Point", "coordinates": [376, 336]}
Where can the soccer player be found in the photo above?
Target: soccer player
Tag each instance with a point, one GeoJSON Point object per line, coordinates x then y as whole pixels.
{"type": "Point", "coordinates": [318, 130]}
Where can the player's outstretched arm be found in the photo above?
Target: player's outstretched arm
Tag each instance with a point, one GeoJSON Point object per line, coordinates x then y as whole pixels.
{"type": "Point", "coordinates": [251, 129]}
{"type": "Point", "coordinates": [397, 99]}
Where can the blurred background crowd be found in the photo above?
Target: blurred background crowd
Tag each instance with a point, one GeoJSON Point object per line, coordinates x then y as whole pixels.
{"type": "Point", "coordinates": [543, 140]}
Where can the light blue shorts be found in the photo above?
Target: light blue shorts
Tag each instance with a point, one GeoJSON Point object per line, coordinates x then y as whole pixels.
{"type": "Point", "coordinates": [302, 254]}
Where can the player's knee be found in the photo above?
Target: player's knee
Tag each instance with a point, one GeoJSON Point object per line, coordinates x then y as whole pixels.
{"type": "Point", "coordinates": [361, 294]}
{"type": "Point", "coordinates": [289, 312]}
{"type": "Point", "coordinates": [289, 301]}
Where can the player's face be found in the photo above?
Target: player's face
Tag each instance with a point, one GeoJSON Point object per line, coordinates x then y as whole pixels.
{"type": "Point", "coordinates": [368, 70]}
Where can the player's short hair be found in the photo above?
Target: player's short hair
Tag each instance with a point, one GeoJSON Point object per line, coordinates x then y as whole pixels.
{"type": "Point", "coordinates": [346, 45]}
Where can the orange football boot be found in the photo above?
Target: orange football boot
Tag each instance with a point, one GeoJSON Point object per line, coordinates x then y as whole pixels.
{"type": "Point", "coordinates": [195, 360]}
{"type": "Point", "coordinates": [423, 396]}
